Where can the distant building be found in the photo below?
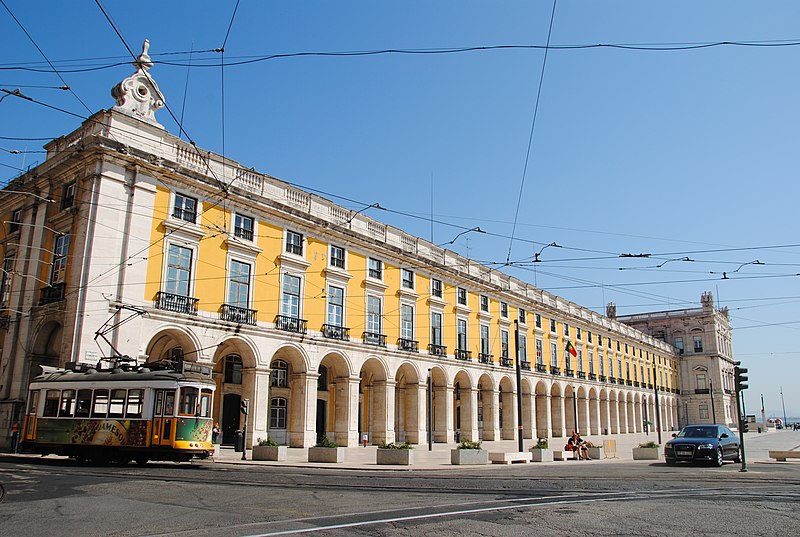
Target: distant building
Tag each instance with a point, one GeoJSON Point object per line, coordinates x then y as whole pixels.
{"type": "Point", "coordinates": [702, 339]}
{"type": "Point", "coordinates": [329, 322]}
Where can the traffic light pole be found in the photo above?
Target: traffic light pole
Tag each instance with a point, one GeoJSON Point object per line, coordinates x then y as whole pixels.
{"type": "Point", "coordinates": [245, 408]}
{"type": "Point", "coordinates": [741, 384]}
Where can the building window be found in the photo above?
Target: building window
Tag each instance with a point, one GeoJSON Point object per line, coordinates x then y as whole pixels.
{"type": "Point", "coordinates": [280, 374]}
{"type": "Point", "coordinates": [609, 343]}
{"type": "Point", "coordinates": [290, 301]}
{"type": "Point", "coordinates": [537, 320]}
{"type": "Point", "coordinates": [701, 381]}
{"type": "Point", "coordinates": [484, 339]}
{"type": "Point", "coordinates": [619, 347]}
{"type": "Point", "coordinates": [407, 278]}
{"type": "Point", "coordinates": [179, 270]}
{"type": "Point", "coordinates": [239, 290]}
{"type": "Point", "coordinates": [461, 297]}
{"type": "Point", "coordinates": [277, 413]}
{"type": "Point", "coordinates": [233, 369]}
{"type": "Point", "coordinates": [599, 339]}
{"type": "Point", "coordinates": [185, 208]}
{"type": "Point", "coordinates": [335, 306]}
{"type": "Point", "coordinates": [407, 322]}
{"type": "Point", "coordinates": [703, 411]}
{"type": "Point", "coordinates": [522, 316]}
{"type": "Point", "coordinates": [539, 352]}
{"type": "Point", "coordinates": [243, 227]}
{"type": "Point", "coordinates": [5, 281]}
{"type": "Point", "coordinates": [337, 257]}
{"type": "Point", "coordinates": [679, 344]}
{"type": "Point", "coordinates": [589, 336]}
{"type": "Point", "coordinates": [591, 362]}
{"type": "Point", "coordinates": [554, 355]}
{"type": "Point", "coordinates": [610, 366]}
{"type": "Point", "coordinates": [436, 288]}
{"type": "Point", "coordinates": [436, 328]}
{"type": "Point", "coordinates": [294, 242]}
{"type": "Point", "coordinates": [375, 268]}
{"type": "Point", "coordinates": [60, 252]}
{"type": "Point", "coordinates": [16, 219]}
{"type": "Point", "coordinates": [504, 310]}
{"type": "Point", "coordinates": [322, 380]}
{"type": "Point", "coordinates": [461, 334]}
{"type": "Point", "coordinates": [577, 333]}
{"type": "Point", "coordinates": [580, 360]}
{"type": "Point", "coordinates": [504, 343]}
{"type": "Point", "coordinates": [619, 368]}
{"type": "Point", "coordinates": [602, 363]}
{"type": "Point", "coordinates": [484, 303]}
{"type": "Point", "coordinates": [553, 325]}
{"type": "Point", "coordinates": [374, 315]}
{"type": "Point", "coordinates": [68, 196]}
{"type": "Point", "coordinates": [523, 349]}
{"type": "Point", "coordinates": [698, 343]}
{"type": "Point", "coordinates": [566, 329]}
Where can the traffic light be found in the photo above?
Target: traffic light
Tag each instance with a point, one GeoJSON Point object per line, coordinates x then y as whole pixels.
{"type": "Point", "coordinates": [245, 406]}
{"type": "Point", "coordinates": [745, 427]}
{"type": "Point", "coordinates": [741, 378]}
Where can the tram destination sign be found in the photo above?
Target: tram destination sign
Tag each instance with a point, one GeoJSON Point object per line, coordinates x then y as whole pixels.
{"type": "Point", "coordinates": [191, 367]}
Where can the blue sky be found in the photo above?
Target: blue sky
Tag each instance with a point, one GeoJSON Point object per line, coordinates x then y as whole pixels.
{"type": "Point", "coordinates": [688, 153]}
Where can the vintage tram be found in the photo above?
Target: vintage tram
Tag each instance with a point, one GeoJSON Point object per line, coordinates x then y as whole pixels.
{"type": "Point", "coordinates": [121, 414]}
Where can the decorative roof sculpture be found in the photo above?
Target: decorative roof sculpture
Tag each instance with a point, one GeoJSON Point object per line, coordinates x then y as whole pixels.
{"type": "Point", "coordinates": [138, 95]}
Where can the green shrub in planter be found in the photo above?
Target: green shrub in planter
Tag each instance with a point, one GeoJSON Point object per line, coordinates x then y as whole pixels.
{"type": "Point", "coordinates": [393, 445]}
{"type": "Point", "coordinates": [649, 444]}
{"type": "Point", "coordinates": [325, 442]}
{"type": "Point", "coordinates": [541, 443]}
{"type": "Point", "coordinates": [468, 444]}
{"type": "Point", "coordinates": [267, 442]}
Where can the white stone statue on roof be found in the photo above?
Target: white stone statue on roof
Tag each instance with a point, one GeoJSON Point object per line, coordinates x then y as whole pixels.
{"type": "Point", "coordinates": [138, 95]}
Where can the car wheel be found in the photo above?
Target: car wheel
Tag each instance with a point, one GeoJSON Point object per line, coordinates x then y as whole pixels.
{"type": "Point", "coordinates": [718, 458]}
{"type": "Point", "coordinates": [670, 462]}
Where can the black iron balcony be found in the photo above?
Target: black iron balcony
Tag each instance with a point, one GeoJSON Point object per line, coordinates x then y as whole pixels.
{"type": "Point", "coordinates": [437, 350]}
{"type": "Point", "coordinates": [331, 331]}
{"type": "Point", "coordinates": [235, 314]}
{"type": "Point", "coordinates": [337, 262]}
{"type": "Point", "coordinates": [505, 361]}
{"type": "Point", "coordinates": [485, 358]}
{"type": "Point", "coordinates": [541, 368]}
{"type": "Point", "coordinates": [291, 324]}
{"type": "Point", "coordinates": [465, 355]}
{"type": "Point", "coordinates": [176, 303]}
{"type": "Point", "coordinates": [373, 338]}
{"type": "Point", "coordinates": [592, 376]}
{"type": "Point", "coordinates": [628, 382]}
{"type": "Point", "coordinates": [243, 233]}
{"type": "Point", "coordinates": [51, 293]}
{"type": "Point", "coordinates": [581, 375]}
{"type": "Point", "coordinates": [185, 214]}
{"type": "Point", "coordinates": [602, 378]}
{"type": "Point", "coordinates": [728, 391]}
{"type": "Point", "coordinates": [635, 384]}
{"type": "Point", "coordinates": [612, 380]}
{"type": "Point", "coordinates": [701, 390]}
{"type": "Point", "coordinates": [554, 370]}
{"type": "Point", "coordinates": [408, 345]}
{"type": "Point", "coordinates": [649, 385]}
{"type": "Point", "coordinates": [525, 365]}
{"type": "Point", "coordinates": [569, 373]}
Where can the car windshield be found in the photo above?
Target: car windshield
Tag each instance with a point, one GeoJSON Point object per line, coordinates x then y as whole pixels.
{"type": "Point", "coordinates": [698, 432]}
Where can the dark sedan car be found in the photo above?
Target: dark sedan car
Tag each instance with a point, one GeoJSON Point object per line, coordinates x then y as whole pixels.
{"type": "Point", "coordinates": [713, 443]}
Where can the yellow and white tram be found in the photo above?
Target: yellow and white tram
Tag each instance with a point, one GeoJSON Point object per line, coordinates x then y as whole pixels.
{"type": "Point", "coordinates": [138, 413]}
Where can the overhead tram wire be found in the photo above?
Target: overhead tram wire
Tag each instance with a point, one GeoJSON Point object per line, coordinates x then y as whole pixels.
{"type": "Point", "coordinates": [530, 136]}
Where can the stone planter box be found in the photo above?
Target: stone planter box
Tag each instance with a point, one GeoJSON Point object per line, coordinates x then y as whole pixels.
{"type": "Point", "coordinates": [269, 453]}
{"type": "Point", "coordinates": [395, 456]}
{"type": "Point", "coordinates": [541, 455]}
{"type": "Point", "coordinates": [469, 456]}
{"type": "Point", "coordinates": [646, 453]}
{"type": "Point", "coordinates": [325, 454]}
{"type": "Point", "coordinates": [596, 453]}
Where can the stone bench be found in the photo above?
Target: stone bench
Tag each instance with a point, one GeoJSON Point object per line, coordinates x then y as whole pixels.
{"type": "Point", "coordinates": [783, 455]}
{"type": "Point", "coordinates": [562, 455]}
{"type": "Point", "coordinates": [509, 457]}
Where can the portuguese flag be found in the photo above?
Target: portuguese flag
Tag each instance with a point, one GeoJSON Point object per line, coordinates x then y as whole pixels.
{"type": "Point", "coordinates": [571, 349]}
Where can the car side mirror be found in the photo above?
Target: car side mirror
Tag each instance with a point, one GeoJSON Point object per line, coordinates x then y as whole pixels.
{"type": "Point", "coordinates": [723, 435]}
{"type": "Point", "coordinates": [674, 435]}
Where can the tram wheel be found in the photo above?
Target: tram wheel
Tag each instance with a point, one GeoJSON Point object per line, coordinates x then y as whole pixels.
{"type": "Point", "coordinates": [141, 461]}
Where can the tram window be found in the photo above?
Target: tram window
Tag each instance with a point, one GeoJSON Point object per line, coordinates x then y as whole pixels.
{"type": "Point", "coordinates": [100, 404]}
{"type": "Point", "coordinates": [205, 404]}
{"type": "Point", "coordinates": [159, 403]}
{"type": "Point", "coordinates": [169, 403]}
{"type": "Point", "coordinates": [84, 404]}
{"type": "Point", "coordinates": [51, 403]}
{"type": "Point", "coordinates": [117, 407]}
{"type": "Point", "coordinates": [189, 401]}
{"type": "Point", "coordinates": [135, 399]}
{"type": "Point", "coordinates": [67, 407]}
{"type": "Point", "coordinates": [33, 402]}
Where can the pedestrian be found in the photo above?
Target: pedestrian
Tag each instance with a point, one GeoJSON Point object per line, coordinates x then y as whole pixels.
{"type": "Point", "coordinates": [215, 433]}
{"type": "Point", "coordinates": [364, 439]}
{"type": "Point", "coordinates": [14, 436]}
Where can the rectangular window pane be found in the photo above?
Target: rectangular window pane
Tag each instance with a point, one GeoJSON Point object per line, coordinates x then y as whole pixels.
{"type": "Point", "coordinates": [436, 288]}
{"type": "Point", "coordinates": [294, 243]}
{"type": "Point", "coordinates": [239, 291]}
{"type": "Point", "coordinates": [117, 406]}
{"type": "Point", "coordinates": [135, 402]}
{"type": "Point", "coordinates": [373, 314]}
{"type": "Point", "coordinates": [484, 339]}
{"type": "Point", "coordinates": [84, 404]}
{"type": "Point", "coordinates": [436, 328]}
{"type": "Point", "coordinates": [100, 404]}
{"type": "Point", "coordinates": [67, 408]}
{"type": "Point", "coordinates": [60, 252]}
{"type": "Point", "coordinates": [407, 322]}
{"type": "Point", "coordinates": [290, 301]}
{"type": "Point", "coordinates": [179, 270]}
{"type": "Point", "coordinates": [337, 257]}
{"type": "Point", "coordinates": [335, 306]}
{"type": "Point", "coordinates": [462, 334]}
{"type": "Point", "coordinates": [375, 268]}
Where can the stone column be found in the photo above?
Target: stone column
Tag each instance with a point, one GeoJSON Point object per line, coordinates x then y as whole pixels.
{"type": "Point", "coordinates": [623, 417]}
{"type": "Point", "coordinates": [491, 415]}
{"type": "Point", "coordinates": [260, 404]}
{"type": "Point", "coordinates": [303, 409]}
{"type": "Point", "coordinates": [469, 414]}
{"type": "Point", "coordinates": [421, 413]}
{"type": "Point", "coordinates": [443, 415]}
{"type": "Point", "coordinates": [382, 394]}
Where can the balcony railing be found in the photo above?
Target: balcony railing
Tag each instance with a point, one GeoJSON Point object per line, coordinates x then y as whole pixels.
{"type": "Point", "coordinates": [635, 384]}
{"type": "Point", "coordinates": [602, 378]}
{"type": "Point", "coordinates": [462, 354]}
{"type": "Point", "coordinates": [505, 361]}
{"type": "Point", "coordinates": [592, 376]}
{"type": "Point", "coordinates": [541, 368]}
{"type": "Point", "coordinates": [373, 338]}
{"type": "Point", "coordinates": [51, 293]}
{"type": "Point", "coordinates": [291, 324]}
{"type": "Point", "coordinates": [650, 386]}
{"type": "Point", "coordinates": [581, 375]}
{"type": "Point", "coordinates": [628, 382]}
{"type": "Point", "coordinates": [176, 303]}
{"type": "Point", "coordinates": [243, 233]}
{"type": "Point", "coordinates": [701, 390]}
{"type": "Point", "coordinates": [332, 331]}
{"type": "Point", "coordinates": [525, 365]}
{"type": "Point", "coordinates": [728, 391]}
{"type": "Point", "coordinates": [185, 214]}
{"type": "Point", "coordinates": [437, 350]}
{"type": "Point", "coordinates": [485, 358]}
{"type": "Point", "coordinates": [408, 345]}
{"type": "Point", "coordinates": [555, 370]}
{"type": "Point", "coordinates": [569, 373]}
{"type": "Point", "coordinates": [235, 314]}
{"type": "Point", "coordinates": [612, 380]}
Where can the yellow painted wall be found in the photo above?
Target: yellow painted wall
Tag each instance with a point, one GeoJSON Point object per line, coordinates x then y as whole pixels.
{"type": "Point", "coordinates": [266, 296]}
{"type": "Point", "coordinates": [155, 254]}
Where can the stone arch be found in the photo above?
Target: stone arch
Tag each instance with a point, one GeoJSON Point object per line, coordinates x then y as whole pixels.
{"type": "Point", "coordinates": [528, 409]}
{"type": "Point", "coordinates": [487, 406]}
{"type": "Point", "coordinates": [46, 350]}
{"type": "Point", "coordinates": [615, 407]}
{"type": "Point", "coordinates": [234, 365]}
{"type": "Point", "coordinates": [375, 408]}
{"type": "Point", "coordinates": [462, 407]}
{"type": "Point", "coordinates": [289, 408]}
{"type": "Point", "coordinates": [337, 387]}
{"type": "Point", "coordinates": [409, 396]}
{"type": "Point", "coordinates": [507, 409]}
{"type": "Point", "coordinates": [603, 403]}
{"type": "Point", "coordinates": [172, 343]}
{"type": "Point", "coordinates": [441, 428]}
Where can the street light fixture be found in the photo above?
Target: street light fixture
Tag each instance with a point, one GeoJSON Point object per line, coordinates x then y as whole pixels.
{"type": "Point", "coordinates": [476, 229]}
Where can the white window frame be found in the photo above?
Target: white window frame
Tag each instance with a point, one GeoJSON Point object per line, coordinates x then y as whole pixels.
{"type": "Point", "coordinates": [249, 263]}
{"type": "Point", "coordinates": [300, 285]}
{"type": "Point", "coordinates": [329, 304]}
{"type": "Point", "coordinates": [331, 257]}
{"type": "Point", "coordinates": [165, 275]}
{"type": "Point", "coordinates": [407, 325]}
{"type": "Point", "coordinates": [406, 277]}
{"type": "Point", "coordinates": [437, 285]}
{"type": "Point", "coordinates": [287, 243]}
{"type": "Point", "coordinates": [174, 199]}
{"type": "Point", "coordinates": [241, 216]}
{"type": "Point", "coordinates": [370, 315]}
{"type": "Point", "coordinates": [440, 340]}
{"type": "Point", "coordinates": [375, 268]}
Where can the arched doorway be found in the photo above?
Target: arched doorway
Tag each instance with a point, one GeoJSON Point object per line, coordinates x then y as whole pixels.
{"type": "Point", "coordinates": [462, 407]}
{"type": "Point", "coordinates": [507, 409]}
{"type": "Point", "coordinates": [409, 424]}
{"type": "Point", "coordinates": [46, 349]}
{"type": "Point", "coordinates": [374, 403]}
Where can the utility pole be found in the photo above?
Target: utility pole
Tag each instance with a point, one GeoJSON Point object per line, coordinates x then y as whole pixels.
{"type": "Point", "coordinates": [430, 410]}
{"type": "Point", "coordinates": [784, 408]}
{"type": "Point", "coordinates": [713, 408]}
{"type": "Point", "coordinates": [519, 387]}
{"type": "Point", "coordinates": [741, 384]}
{"type": "Point", "coordinates": [658, 407]}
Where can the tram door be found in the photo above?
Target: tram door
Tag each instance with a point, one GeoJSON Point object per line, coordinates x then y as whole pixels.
{"type": "Point", "coordinates": [231, 409]}
{"type": "Point", "coordinates": [163, 417]}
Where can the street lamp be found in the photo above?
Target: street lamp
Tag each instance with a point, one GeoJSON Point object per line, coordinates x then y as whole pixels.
{"type": "Point", "coordinates": [37, 196]}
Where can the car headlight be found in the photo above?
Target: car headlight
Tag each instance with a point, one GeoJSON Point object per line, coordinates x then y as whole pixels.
{"type": "Point", "coordinates": [705, 446]}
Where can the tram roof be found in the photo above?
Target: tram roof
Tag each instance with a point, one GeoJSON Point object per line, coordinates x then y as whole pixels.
{"type": "Point", "coordinates": [137, 376]}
